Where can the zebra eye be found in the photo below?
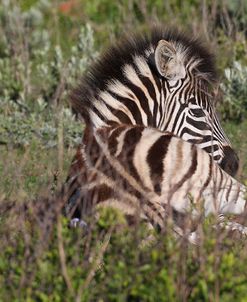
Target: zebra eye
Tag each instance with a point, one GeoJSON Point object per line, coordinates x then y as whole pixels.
{"type": "Point", "coordinates": [197, 112]}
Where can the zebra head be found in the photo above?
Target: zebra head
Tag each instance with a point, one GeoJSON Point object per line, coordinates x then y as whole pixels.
{"type": "Point", "coordinates": [161, 81]}
{"type": "Point", "coordinates": [189, 110]}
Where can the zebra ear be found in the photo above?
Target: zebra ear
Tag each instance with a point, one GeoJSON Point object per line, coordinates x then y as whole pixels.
{"type": "Point", "coordinates": [167, 61]}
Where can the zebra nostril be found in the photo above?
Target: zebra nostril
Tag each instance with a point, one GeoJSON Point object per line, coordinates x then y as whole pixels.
{"type": "Point", "coordinates": [230, 161]}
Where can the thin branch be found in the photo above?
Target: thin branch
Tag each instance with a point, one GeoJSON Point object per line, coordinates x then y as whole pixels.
{"type": "Point", "coordinates": [62, 257]}
{"type": "Point", "coordinates": [96, 263]}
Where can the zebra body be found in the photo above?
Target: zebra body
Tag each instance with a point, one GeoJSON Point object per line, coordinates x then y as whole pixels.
{"type": "Point", "coordinates": [152, 140]}
{"type": "Point", "coordinates": [146, 171]}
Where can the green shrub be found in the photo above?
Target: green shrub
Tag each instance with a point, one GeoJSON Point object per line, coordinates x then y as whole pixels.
{"type": "Point", "coordinates": [234, 105]}
{"type": "Point", "coordinates": [35, 77]}
{"type": "Point", "coordinates": [108, 263]}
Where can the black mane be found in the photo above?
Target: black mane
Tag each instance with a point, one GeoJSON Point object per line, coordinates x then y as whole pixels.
{"type": "Point", "coordinates": [109, 65]}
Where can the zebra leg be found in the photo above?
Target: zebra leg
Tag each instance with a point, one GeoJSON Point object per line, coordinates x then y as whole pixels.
{"type": "Point", "coordinates": [234, 226]}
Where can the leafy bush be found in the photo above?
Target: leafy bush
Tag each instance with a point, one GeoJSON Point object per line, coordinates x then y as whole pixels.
{"type": "Point", "coordinates": [20, 128]}
{"type": "Point", "coordinates": [35, 77]}
{"type": "Point", "coordinates": [108, 263]}
{"type": "Point", "coordinates": [235, 92]}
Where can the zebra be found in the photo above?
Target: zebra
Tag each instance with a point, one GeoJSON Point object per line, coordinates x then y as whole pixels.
{"type": "Point", "coordinates": [142, 170]}
{"type": "Point", "coordinates": [161, 82]}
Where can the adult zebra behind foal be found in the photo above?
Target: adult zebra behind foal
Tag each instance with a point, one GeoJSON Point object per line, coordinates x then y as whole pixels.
{"type": "Point", "coordinates": [162, 84]}
{"type": "Point", "coordinates": [151, 173]}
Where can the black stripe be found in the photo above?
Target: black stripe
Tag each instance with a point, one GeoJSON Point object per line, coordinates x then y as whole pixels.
{"type": "Point", "coordinates": [188, 174]}
{"type": "Point", "coordinates": [209, 177]}
{"type": "Point", "coordinates": [99, 114]}
{"type": "Point", "coordinates": [142, 99]}
{"type": "Point", "coordinates": [172, 109]}
{"type": "Point", "coordinates": [121, 115]}
{"type": "Point", "coordinates": [197, 124]}
{"type": "Point", "coordinates": [112, 140]}
{"type": "Point", "coordinates": [228, 191]}
{"type": "Point", "coordinates": [155, 158]}
{"type": "Point", "coordinates": [178, 114]}
{"type": "Point", "coordinates": [131, 105]}
{"type": "Point", "coordinates": [211, 149]}
{"type": "Point", "coordinates": [181, 123]}
{"type": "Point", "coordinates": [131, 140]}
{"type": "Point", "coordinates": [149, 85]}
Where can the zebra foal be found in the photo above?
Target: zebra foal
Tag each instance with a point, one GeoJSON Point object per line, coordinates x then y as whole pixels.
{"type": "Point", "coordinates": [158, 85]}
{"type": "Point", "coordinates": [162, 81]}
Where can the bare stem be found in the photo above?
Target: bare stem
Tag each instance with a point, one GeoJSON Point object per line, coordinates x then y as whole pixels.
{"type": "Point", "coordinates": [96, 263]}
{"type": "Point", "coordinates": [62, 257]}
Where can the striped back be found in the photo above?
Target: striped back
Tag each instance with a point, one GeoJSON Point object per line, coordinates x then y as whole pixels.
{"type": "Point", "coordinates": [163, 81]}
